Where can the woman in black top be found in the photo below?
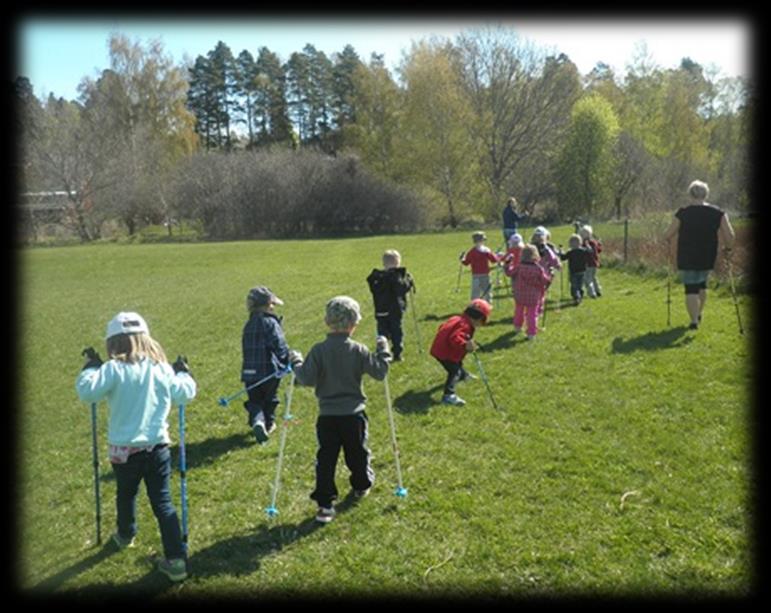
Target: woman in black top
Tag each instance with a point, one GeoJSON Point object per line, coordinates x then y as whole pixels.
{"type": "Point", "coordinates": [698, 227]}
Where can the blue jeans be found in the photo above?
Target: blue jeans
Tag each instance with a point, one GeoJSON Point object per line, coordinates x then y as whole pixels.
{"type": "Point", "coordinates": [155, 468]}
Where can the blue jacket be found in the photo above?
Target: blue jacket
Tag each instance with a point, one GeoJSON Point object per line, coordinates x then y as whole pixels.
{"type": "Point", "coordinates": [140, 397]}
{"type": "Point", "coordinates": [264, 347]}
{"type": "Point", "coordinates": [511, 218]}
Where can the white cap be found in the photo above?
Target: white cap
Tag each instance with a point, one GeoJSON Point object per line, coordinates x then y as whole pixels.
{"type": "Point", "coordinates": [127, 323]}
{"type": "Point", "coordinates": [515, 239]}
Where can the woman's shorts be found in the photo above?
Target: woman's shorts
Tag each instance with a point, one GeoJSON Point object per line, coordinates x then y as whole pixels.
{"type": "Point", "coordinates": [694, 280]}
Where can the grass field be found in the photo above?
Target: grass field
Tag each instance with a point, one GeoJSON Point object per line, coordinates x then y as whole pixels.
{"type": "Point", "coordinates": [620, 463]}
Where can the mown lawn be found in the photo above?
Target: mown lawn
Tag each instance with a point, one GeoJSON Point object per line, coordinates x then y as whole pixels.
{"type": "Point", "coordinates": [620, 463]}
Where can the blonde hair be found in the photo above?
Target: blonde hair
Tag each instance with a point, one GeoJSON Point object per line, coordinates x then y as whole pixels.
{"type": "Point", "coordinates": [698, 190]}
{"type": "Point", "coordinates": [530, 254]}
{"type": "Point", "coordinates": [393, 257]}
{"type": "Point", "coordinates": [513, 201]}
{"type": "Point", "coordinates": [575, 239]}
{"type": "Point", "coordinates": [134, 347]}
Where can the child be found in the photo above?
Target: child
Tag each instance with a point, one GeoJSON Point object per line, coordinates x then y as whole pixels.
{"type": "Point", "coordinates": [590, 276]}
{"type": "Point", "coordinates": [140, 386]}
{"type": "Point", "coordinates": [389, 288]}
{"type": "Point", "coordinates": [513, 254]}
{"type": "Point", "coordinates": [265, 352]}
{"type": "Point", "coordinates": [453, 340]}
{"type": "Point", "coordinates": [530, 283]}
{"type": "Point", "coordinates": [479, 257]}
{"type": "Point", "coordinates": [335, 368]}
{"type": "Point", "coordinates": [577, 257]}
{"type": "Point", "coordinates": [548, 259]}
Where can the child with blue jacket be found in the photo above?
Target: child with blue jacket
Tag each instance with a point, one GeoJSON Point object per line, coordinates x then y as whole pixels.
{"type": "Point", "coordinates": [265, 353]}
{"type": "Point", "coordinates": [140, 386]}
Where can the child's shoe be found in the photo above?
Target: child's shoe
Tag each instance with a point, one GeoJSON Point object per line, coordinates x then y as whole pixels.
{"type": "Point", "coordinates": [361, 493]}
{"type": "Point", "coordinates": [259, 429]}
{"type": "Point", "coordinates": [176, 570]}
{"type": "Point", "coordinates": [453, 399]}
{"type": "Point", "coordinates": [325, 515]}
{"type": "Point", "coordinates": [122, 543]}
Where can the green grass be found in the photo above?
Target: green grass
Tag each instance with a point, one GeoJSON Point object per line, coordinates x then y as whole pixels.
{"type": "Point", "coordinates": [620, 464]}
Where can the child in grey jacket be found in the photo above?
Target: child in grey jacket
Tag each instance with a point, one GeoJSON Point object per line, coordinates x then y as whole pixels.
{"type": "Point", "coordinates": [335, 368]}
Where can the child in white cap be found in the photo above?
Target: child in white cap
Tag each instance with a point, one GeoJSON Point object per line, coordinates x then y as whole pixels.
{"type": "Point", "coordinates": [140, 386]}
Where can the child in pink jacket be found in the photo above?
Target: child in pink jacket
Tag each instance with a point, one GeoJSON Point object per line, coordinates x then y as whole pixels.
{"type": "Point", "coordinates": [530, 282]}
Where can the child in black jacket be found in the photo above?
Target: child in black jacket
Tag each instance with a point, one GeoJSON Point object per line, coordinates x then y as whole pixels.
{"type": "Point", "coordinates": [389, 288]}
{"type": "Point", "coordinates": [578, 259]}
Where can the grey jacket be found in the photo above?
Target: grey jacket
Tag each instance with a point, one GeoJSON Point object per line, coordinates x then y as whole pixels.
{"type": "Point", "coordinates": [335, 368]}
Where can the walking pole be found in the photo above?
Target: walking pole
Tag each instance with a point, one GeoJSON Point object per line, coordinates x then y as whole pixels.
{"type": "Point", "coordinates": [415, 320]}
{"type": "Point", "coordinates": [561, 284]}
{"type": "Point", "coordinates": [226, 401]}
{"type": "Point", "coordinates": [486, 382]}
{"type": "Point", "coordinates": [95, 455]}
{"type": "Point", "coordinates": [183, 476]}
{"type": "Point", "coordinates": [669, 299]}
{"type": "Point", "coordinates": [460, 271]}
{"type": "Point", "coordinates": [272, 511]}
{"type": "Point", "coordinates": [543, 315]}
{"type": "Point", "coordinates": [733, 292]}
{"type": "Point", "coordinates": [400, 491]}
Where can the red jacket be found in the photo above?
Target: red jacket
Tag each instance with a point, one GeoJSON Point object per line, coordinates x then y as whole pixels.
{"type": "Point", "coordinates": [479, 257]}
{"type": "Point", "coordinates": [593, 261]}
{"type": "Point", "coordinates": [450, 341]}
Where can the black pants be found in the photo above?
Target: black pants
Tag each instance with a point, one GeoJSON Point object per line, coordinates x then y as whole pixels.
{"type": "Point", "coordinates": [263, 398]}
{"type": "Point", "coordinates": [349, 432]}
{"type": "Point", "coordinates": [576, 285]}
{"type": "Point", "coordinates": [390, 326]}
{"type": "Point", "coordinates": [455, 373]}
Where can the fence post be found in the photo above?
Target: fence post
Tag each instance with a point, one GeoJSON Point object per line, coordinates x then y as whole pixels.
{"type": "Point", "coordinates": [626, 238]}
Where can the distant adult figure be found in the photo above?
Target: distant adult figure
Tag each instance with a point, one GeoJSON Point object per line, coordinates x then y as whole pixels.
{"type": "Point", "coordinates": [511, 219]}
{"type": "Point", "coordinates": [698, 227]}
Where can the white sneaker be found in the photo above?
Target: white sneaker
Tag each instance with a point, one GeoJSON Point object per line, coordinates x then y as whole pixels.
{"type": "Point", "coordinates": [453, 399]}
{"type": "Point", "coordinates": [325, 515]}
{"type": "Point", "coordinates": [259, 429]}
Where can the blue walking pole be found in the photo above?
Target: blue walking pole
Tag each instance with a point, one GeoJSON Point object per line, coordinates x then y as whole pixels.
{"type": "Point", "coordinates": [183, 475]}
{"type": "Point", "coordinates": [223, 401]}
{"type": "Point", "coordinates": [95, 455]}
{"type": "Point", "coordinates": [272, 511]}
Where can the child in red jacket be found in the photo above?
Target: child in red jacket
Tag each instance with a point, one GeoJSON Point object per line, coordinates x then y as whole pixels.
{"type": "Point", "coordinates": [530, 283]}
{"type": "Point", "coordinates": [453, 340]}
{"type": "Point", "coordinates": [479, 257]}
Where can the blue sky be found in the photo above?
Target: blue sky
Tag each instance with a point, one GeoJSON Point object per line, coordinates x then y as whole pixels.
{"type": "Point", "coordinates": [56, 53]}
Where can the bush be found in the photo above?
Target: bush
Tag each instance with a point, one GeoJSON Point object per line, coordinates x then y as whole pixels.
{"type": "Point", "coordinates": [290, 194]}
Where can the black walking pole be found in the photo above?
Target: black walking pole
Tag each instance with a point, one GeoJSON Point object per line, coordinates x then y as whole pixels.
{"type": "Point", "coordinates": [460, 271]}
{"type": "Point", "coordinates": [95, 455]}
{"type": "Point", "coordinates": [415, 319]}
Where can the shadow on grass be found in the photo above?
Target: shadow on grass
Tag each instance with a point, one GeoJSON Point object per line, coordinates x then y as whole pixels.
{"type": "Point", "coordinates": [55, 581]}
{"type": "Point", "coordinates": [235, 556]}
{"type": "Point", "coordinates": [653, 341]}
{"type": "Point", "coordinates": [202, 453]}
{"type": "Point", "coordinates": [416, 401]}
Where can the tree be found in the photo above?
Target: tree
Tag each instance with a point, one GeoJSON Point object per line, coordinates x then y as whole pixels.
{"type": "Point", "coordinates": [519, 98]}
{"type": "Point", "coordinates": [585, 167]}
{"type": "Point", "coordinates": [378, 100]}
{"type": "Point", "coordinates": [276, 126]}
{"type": "Point", "coordinates": [437, 150]}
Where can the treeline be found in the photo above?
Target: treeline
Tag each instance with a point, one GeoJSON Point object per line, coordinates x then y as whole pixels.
{"type": "Point", "coordinates": [336, 144]}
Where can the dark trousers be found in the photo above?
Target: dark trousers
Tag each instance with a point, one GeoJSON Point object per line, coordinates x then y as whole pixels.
{"type": "Point", "coordinates": [576, 285]}
{"type": "Point", "coordinates": [349, 432]}
{"type": "Point", "coordinates": [455, 373]}
{"type": "Point", "coordinates": [390, 326]}
{"type": "Point", "coordinates": [263, 398]}
{"type": "Point", "coordinates": [155, 468]}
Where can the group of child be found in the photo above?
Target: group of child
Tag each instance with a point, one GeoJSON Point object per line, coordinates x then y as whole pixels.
{"type": "Point", "coordinates": [531, 268]}
{"type": "Point", "coordinates": [140, 385]}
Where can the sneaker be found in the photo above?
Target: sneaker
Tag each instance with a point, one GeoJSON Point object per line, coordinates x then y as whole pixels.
{"type": "Point", "coordinates": [325, 515]}
{"type": "Point", "coordinates": [176, 570]}
{"type": "Point", "coordinates": [453, 399]}
{"type": "Point", "coordinates": [467, 376]}
{"type": "Point", "coordinates": [271, 428]}
{"type": "Point", "coordinates": [260, 431]}
{"type": "Point", "coordinates": [361, 493]}
{"type": "Point", "coordinates": [693, 326]}
{"type": "Point", "coordinates": [121, 542]}
{"type": "Point", "coordinates": [397, 358]}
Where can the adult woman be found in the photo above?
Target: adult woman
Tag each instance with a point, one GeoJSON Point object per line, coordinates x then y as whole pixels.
{"type": "Point", "coordinates": [511, 219]}
{"type": "Point", "coordinates": [698, 227]}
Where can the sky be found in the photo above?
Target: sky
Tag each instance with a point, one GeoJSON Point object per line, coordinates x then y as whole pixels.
{"type": "Point", "coordinates": [56, 53]}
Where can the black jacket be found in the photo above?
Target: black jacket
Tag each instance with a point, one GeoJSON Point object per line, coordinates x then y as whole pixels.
{"type": "Point", "coordinates": [389, 288]}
